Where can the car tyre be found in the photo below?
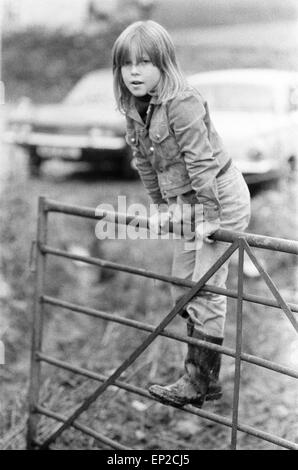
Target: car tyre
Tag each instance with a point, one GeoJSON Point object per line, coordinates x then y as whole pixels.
{"type": "Point", "coordinates": [34, 163]}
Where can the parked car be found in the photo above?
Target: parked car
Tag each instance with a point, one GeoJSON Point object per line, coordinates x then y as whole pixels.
{"type": "Point", "coordinates": [254, 110]}
{"type": "Point", "coordinates": [85, 126]}
{"type": "Point", "coordinates": [256, 113]}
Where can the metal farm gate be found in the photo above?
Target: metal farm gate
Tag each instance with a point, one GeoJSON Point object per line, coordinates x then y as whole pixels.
{"type": "Point", "coordinates": [238, 241]}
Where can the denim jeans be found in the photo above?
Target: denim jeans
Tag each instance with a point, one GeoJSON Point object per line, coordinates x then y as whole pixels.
{"type": "Point", "coordinates": [208, 310]}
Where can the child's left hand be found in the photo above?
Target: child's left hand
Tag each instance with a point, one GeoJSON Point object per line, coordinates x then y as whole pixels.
{"type": "Point", "coordinates": [207, 228]}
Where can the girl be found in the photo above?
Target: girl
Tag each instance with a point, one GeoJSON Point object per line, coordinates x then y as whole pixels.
{"type": "Point", "coordinates": [181, 160]}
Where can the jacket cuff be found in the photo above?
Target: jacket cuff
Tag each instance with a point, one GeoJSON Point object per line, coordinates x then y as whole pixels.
{"type": "Point", "coordinates": [157, 198]}
{"type": "Point", "coordinates": [211, 213]}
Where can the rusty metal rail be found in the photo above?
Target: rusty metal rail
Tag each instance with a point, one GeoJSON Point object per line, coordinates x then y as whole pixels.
{"type": "Point", "coordinates": [239, 241]}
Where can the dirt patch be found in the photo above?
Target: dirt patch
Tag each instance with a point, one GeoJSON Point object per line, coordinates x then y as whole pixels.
{"type": "Point", "coordinates": [268, 400]}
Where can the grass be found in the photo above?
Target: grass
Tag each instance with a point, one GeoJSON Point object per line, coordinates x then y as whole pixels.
{"type": "Point", "coordinates": [44, 65]}
{"type": "Point", "coordinates": [101, 346]}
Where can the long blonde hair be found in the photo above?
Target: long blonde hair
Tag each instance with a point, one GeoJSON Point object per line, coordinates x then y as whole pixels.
{"type": "Point", "coordinates": [147, 37]}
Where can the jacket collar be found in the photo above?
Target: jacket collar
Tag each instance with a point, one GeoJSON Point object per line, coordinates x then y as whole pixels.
{"type": "Point", "coordinates": [132, 111]}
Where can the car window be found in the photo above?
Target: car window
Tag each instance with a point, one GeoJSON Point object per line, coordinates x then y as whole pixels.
{"type": "Point", "coordinates": [238, 97]}
{"type": "Point", "coordinates": [96, 88]}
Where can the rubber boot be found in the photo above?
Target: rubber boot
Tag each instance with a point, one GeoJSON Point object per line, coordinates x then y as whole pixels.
{"type": "Point", "coordinates": [200, 381]}
{"type": "Point", "coordinates": [214, 391]}
{"type": "Point", "coordinates": [203, 365]}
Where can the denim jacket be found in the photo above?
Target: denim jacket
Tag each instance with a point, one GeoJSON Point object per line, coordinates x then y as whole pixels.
{"type": "Point", "coordinates": [177, 150]}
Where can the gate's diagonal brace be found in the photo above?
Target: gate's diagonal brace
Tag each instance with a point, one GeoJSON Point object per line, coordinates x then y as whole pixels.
{"type": "Point", "coordinates": [177, 309]}
{"type": "Point", "coordinates": [283, 305]}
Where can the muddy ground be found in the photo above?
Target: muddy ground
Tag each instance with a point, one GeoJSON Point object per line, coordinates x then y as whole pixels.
{"type": "Point", "coordinates": [267, 401]}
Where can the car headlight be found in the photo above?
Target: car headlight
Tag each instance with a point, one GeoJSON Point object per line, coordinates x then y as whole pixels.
{"type": "Point", "coordinates": [100, 132]}
{"type": "Point", "coordinates": [255, 154]}
{"type": "Point", "coordinates": [20, 129]}
{"type": "Point", "coordinates": [25, 129]}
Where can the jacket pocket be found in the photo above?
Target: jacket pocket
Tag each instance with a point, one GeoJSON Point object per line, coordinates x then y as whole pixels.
{"type": "Point", "coordinates": [159, 134]}
{"type": "Point", "coordinates": [164, 142]}
{"type": "Point", "coordinates": [131, 138]}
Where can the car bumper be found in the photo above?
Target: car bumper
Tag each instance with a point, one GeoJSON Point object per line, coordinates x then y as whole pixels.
{"type": "Point", "coordinates": [258, 168]}
{"type": "Point", "coordinates": [255, 172]}
{"type": "Point", "coordinates": [65, 141]}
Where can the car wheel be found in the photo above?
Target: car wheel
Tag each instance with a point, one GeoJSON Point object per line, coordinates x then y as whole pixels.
{"type": "Point", "coordinates": [292, 164]}
{"type": "Point", "coordinates": [34, 163]}
{"type": "Point", "coordinates": [291, 172]}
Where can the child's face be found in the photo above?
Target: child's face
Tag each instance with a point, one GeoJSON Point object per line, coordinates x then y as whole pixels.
{"type": "Point", "coordinates": [140, 75]}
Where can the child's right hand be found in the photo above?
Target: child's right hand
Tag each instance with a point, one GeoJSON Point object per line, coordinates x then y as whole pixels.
{"type": "Point", "coordinates": [159, 222]}
{"type": "Point", "coordinates": [206, 229]}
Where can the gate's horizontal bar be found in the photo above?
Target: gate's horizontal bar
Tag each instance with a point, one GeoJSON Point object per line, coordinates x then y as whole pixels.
{"type": "Point", "coordinates": [133, 356]}
{"type": "Point", "coordinates": [190, 409]}
{"type": "Point", "coordinates": [81, 427]}
{"type": "Point", "coordinates": [162, 277]}
{"type": "Point", "coordinates": [258, 241]}
{"type": "Point", "coordinates": [170, 334]}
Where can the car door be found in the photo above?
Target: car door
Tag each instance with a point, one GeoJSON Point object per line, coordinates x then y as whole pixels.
{"type": "Point", "coordinates": [287, 131]}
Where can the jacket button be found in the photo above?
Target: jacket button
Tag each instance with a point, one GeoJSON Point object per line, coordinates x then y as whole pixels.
{"type": "Point", "coordinates": [133, 139]}
{"type": "Point", "coordinates": [157, 136]}
{"type": "Point", "coordinates": [151, 149]}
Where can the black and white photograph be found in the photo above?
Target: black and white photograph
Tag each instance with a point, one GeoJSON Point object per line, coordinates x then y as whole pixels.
{"type": "Point", "coordinates": [148, 227]}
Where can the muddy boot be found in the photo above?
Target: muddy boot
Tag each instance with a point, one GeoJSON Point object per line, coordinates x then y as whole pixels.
{"type": "Point", "coordinates": [214, 391]}
{"type": "Point", "coordinates": [201, 378]}
{"type": "Point", "coordinates": [203, 366]}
